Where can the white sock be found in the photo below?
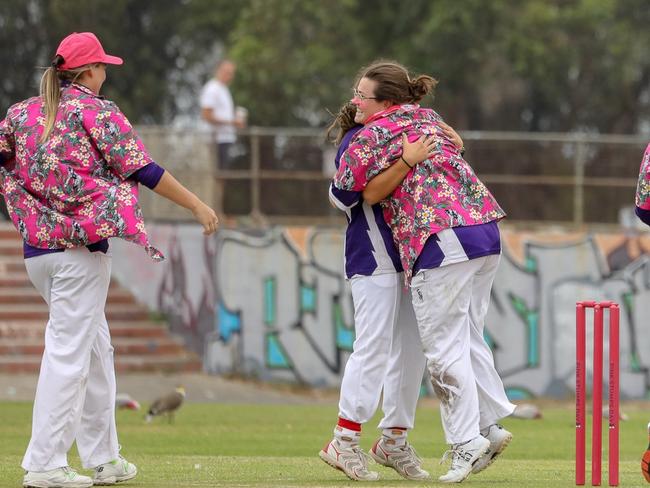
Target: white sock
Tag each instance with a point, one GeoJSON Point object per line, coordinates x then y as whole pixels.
{"type": "Point", "coordinates": [394, 438]}
{"type": "Point", "coordinates": [346, 437]}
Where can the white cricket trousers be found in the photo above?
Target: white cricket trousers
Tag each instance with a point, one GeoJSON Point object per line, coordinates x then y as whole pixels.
{"type": "Point", "coordinates": [75, 396]}
{"type": "Point", "coordinates": [450, 305]}
{"type": "Point", "coordinates": [387, 354]}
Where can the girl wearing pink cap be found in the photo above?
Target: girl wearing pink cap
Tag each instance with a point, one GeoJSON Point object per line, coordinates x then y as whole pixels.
{"type": "Point", "coordinates": [70, 164]}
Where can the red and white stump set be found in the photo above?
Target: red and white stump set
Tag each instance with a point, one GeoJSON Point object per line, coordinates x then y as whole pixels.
{"type": "Point", "coordinates": [597, 391]}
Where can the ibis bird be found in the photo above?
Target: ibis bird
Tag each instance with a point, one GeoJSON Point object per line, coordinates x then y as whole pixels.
{"type": "Point", "coordinates": [167, 405]}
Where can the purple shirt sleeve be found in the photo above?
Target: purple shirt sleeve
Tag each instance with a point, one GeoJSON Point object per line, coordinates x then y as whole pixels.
{"type": "Point", "coordinates": [643, 214]}
{"type": "Point", "coordinates": [148, 176]}
{"type": "Point", "coordinates": [347, 198]}
{"type": "Point", "coordinates": [345, 142]}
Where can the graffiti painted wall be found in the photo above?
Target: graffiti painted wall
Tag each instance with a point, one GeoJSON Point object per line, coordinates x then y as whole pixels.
{"type": "Point", "coordinates": [274, 305]}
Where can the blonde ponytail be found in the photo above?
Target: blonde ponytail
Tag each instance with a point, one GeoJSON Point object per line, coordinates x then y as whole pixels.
{"type": "Point", "coordinates": [51, 91]}
{"type": "Point", "coordinates": [50, 94]}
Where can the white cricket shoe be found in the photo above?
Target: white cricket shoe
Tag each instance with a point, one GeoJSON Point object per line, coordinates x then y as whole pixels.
{"type": "Point", "coordinates": [352, 461]}
{"type": "Point", "coordinates": [499, 439]}
{"type": "Point", "coordinates": [116, 471]}
{"type": "Point", "coordinates": [463, 457]}
{"type": "Point", "coordinates": [65, 477]}
{"type": "Point", "coordinates": [402, 459]}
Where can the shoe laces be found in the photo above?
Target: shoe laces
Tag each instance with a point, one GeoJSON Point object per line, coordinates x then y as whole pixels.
{"type": "Point", "coordinates": [69, 472]}
{"type": "Point", "coordinates": [406, 453]}
{"type": "Point", "coordinates": [455, 458]}
{"type": "Point", "coordinates": [362, 455]}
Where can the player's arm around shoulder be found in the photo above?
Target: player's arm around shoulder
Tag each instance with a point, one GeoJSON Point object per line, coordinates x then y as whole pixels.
{"type": "Point", "coordinates": [412, 153]}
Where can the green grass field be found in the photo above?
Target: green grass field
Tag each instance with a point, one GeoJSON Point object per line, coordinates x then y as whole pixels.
{"type": "Point", "coordinates": [277, 446]}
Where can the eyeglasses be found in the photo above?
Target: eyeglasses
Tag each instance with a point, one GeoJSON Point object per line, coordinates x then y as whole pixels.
{"type": "Point", "coordinates": [361, 96]}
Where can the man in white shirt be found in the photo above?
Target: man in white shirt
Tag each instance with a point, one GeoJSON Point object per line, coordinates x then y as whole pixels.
{"type": "Point", "coordinates": [218, 109]}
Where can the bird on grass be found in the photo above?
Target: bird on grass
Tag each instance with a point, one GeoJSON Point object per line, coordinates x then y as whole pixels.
{"type": "Point", "coordinates": [167, 405]}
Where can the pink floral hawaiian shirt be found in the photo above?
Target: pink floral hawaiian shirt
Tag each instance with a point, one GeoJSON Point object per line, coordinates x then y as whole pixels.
{"type": "Point", "coordinates": [643, 186]}
{"type": "Point", "coordinates": [73, 189]}
{"type": "Point", "coordinates": [439, 193]}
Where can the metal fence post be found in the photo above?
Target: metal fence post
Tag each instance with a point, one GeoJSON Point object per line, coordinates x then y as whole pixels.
{"type": "Point", "coordinates": [579, 182]}
{"type": "Point", "coordinates": [256, 167]}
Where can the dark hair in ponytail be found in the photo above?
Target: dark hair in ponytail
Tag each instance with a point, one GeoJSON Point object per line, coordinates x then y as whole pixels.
{"type": "Point", "coordinates": [394, 83]}
{"type": "Point", "coordinates": [343, 122]}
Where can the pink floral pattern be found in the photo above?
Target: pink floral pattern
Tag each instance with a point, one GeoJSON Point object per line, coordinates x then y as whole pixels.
{"type": "Point", "coordinates": [439, 193]}
{"type": "Point", "coordinates": [643, 186]}
{"type": "Point", "coordinates": [73, 189]}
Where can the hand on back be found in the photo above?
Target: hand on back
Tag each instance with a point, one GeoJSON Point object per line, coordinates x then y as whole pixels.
{"type": "Point", "coordinates": [417, 151]}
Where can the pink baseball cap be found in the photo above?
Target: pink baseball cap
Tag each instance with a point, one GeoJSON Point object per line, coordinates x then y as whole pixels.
{"type": "Point", "coordinates": [80, 48]}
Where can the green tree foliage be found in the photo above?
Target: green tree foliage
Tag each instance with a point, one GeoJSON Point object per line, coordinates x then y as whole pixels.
{"type": "Point", "coordinates": [294, 59]}
{"type": "Point", "coordinates": [585, 63]}
{"type": "Point", "coordinates": [558, 65]}
{"type": "Point", "coordinates": [160, 40]}
{"type": "Point", "coordinates": [23, 44]}
{"type": "Point", "coordinates": [505, 64]}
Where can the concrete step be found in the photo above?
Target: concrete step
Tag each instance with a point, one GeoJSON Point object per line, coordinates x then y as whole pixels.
{"type": "Point", "coordinates": [124, 346]}
{"type": "Point", "coordinates": [9, 232]}
{"type": "Point", "coordinates": [15, 264]}
{"type": "Point", "coordinates": [123, 364]}
{"type": "Point", "coordinates": [11, 247]}
{"type": "Point", "coordinates": [14, 279]}
{"type": "Point", "coordinates": [141, 345]}
{"type": "Point", "coordinates": [35, 329]}
{"type": "Point", "coordinates": [28, 294]}
{"type": "Point", "coordinates": [35, 311]}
